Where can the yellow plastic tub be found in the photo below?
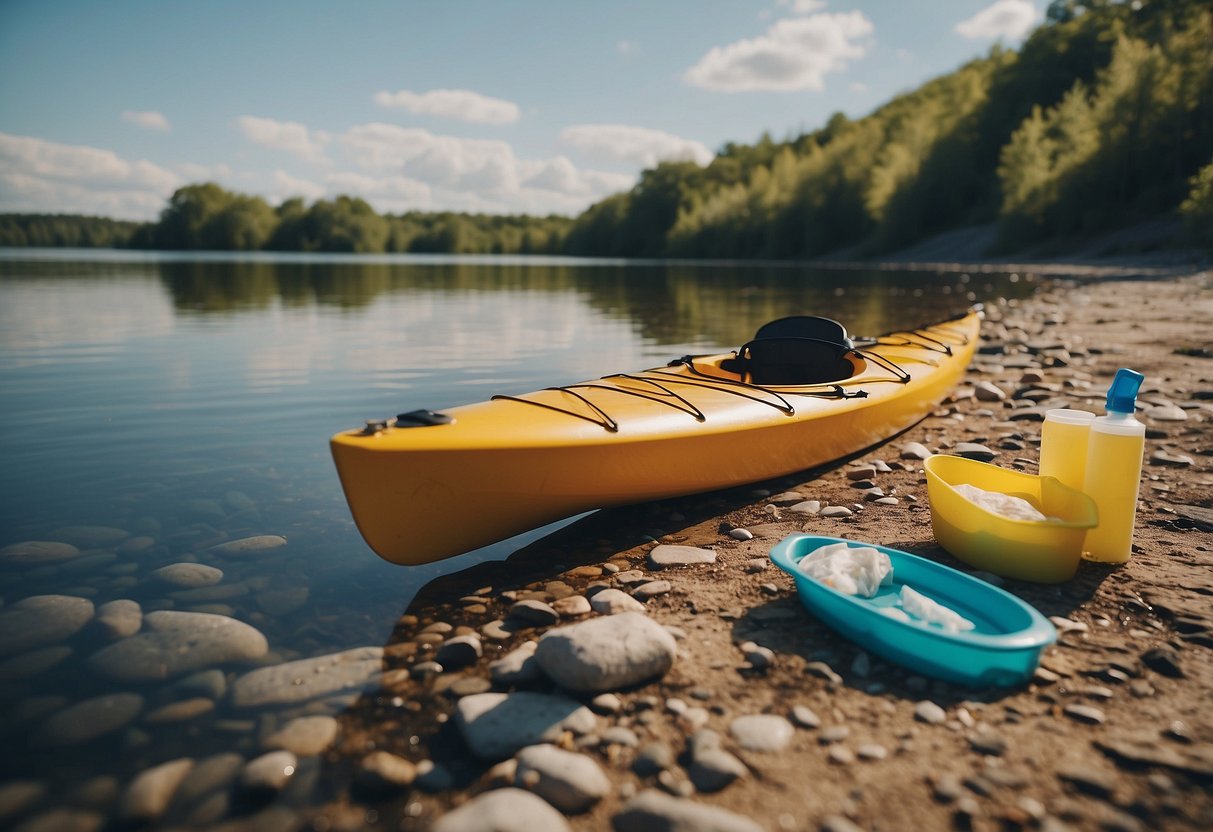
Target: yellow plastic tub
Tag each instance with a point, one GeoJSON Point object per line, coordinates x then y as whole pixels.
{"type": "Point", "coordinates": [1046, 551]}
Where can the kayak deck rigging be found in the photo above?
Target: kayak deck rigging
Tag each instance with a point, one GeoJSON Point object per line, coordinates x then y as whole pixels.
{"type": "Point", "coordinates": [661, 394]}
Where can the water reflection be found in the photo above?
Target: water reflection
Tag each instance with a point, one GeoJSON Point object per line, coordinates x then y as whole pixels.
{"type": "Point", "coordinates": [669, 303]}
{"type": "Point", "coordinates": [159, 407]}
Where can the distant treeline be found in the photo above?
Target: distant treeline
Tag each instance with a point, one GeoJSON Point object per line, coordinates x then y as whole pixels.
{"type": "Point", "coordinates": [209, 218]}
{"type": "Point", "coordinates": [1104, 118]}
{"type": "Point", "coordinates": [65, 230]}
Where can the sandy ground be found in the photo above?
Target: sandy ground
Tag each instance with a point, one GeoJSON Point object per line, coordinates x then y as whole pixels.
{"type": "Point", "coordinates": [1136, 644]}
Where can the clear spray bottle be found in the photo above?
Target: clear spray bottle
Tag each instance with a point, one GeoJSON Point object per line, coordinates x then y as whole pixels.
{"type": "Point", "coordinates": [1114, 454]}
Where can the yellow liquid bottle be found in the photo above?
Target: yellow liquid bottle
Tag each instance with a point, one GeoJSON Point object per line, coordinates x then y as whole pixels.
{"type": "Point", "coordinates": [1114, 454]}
{"type": "Point", "coordinates": [1063, 446]}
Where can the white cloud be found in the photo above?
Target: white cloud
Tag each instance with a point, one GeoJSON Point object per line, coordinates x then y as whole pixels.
{"type": "Point", "coordinates": [1010, 19]}
{"type": "Point", "coordinates": [858, 87]}
{"type": "Point", "coordinates": [625, 47]}
{"type": "Point", "coordinates": [288, 136]}
{"type": "Point", "coordinates": [394, 168]}
{"type": "Point", "coordinates": [395, 194]}
{"type": "Point", "coordinates": [148, 120]}
{"type": "Point", "coordinates": [195, 173]}
{"type": "Point", "coordinates": [447, 161]}
{"type": "Point", "coordinates": [639, 146]}
{"type": "Point", "coordinates": [461, 105]}
{"type": "Point", "coordinates": [286, 186]}
{"type": "Point", "coordinates": [557, 174]}
{"type": "Point", "coordinates": [803, 6]}
{"type": "Point", "coordinates": [794, 54]}
{"type": "Point", "coordinates": [561, 176]}
{"type": "Point", "coordinates": [41, 176]}
{"type": "Point", "coordinates": [414, 169]}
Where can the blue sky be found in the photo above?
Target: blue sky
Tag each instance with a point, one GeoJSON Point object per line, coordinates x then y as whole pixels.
{"type": "Point", "coordinates": [533, 106]}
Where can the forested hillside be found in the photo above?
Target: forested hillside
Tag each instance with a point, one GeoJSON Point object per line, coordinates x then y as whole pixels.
{"type": "Point", "coordinates": [1103, 119]}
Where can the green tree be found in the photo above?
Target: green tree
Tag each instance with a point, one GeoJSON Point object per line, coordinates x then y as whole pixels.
{"type": "Point", "coordinates": [1197, 209]}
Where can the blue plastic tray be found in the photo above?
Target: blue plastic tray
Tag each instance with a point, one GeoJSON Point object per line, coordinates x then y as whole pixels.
{"type": "Point", "coordinates": [1003, 649]}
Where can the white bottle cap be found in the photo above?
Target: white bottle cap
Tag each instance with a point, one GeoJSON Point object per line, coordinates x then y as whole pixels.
{"type": "Point", "coordinates": [1069, 417]}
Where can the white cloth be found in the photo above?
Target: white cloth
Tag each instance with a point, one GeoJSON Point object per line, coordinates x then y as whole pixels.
{"type": "Point", "coordinates": [1004, 505]}
{"type": "Point", "coordinates": [928, 611]}
{"type": "Point", "coordinates": [851, 570]}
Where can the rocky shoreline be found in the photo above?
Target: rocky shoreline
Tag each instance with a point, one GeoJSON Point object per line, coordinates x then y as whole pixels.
{"type": "Point", "coordinates": [648, 668]}
{"type": "Point", "coordinates": [766, 720]}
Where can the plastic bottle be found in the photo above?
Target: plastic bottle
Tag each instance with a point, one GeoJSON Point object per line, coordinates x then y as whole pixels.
{"type": "Point", "coordinates": [1114, 453]}
{"type": "Point", "coordinates": [1063, 446]}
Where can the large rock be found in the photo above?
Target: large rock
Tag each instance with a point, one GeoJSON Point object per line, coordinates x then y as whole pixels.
{"type": "Point", "coordinates": [503, 810]}
{"type": "Point", "coordinates": [307, 679]}
{"type": "Point", "coordinates": [652, 811]}
{"type": "Point", "coordinates": [41, 620]}
{"type": "Point", "coordinates": [569, 781]}
{"type": "Point", "coordinates": [496, 725]}
{"type": "Point", "coordinates": [89, 719]}
{"type": "Point", "coordinates": [173, 643]}
{"type": "Point", "coordinates": [607, 653]}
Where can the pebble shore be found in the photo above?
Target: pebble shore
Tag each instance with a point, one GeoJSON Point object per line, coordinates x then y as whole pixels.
{"type": "Point", "coordinates": [647, 668]}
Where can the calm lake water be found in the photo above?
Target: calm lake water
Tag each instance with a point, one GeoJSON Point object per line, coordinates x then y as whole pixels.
{"type": "Point", "coordinates": [179, 401]}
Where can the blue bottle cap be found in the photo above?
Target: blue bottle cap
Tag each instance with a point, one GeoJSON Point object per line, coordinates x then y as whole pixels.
{"type": "Point", "coordinates": [1122, 395]}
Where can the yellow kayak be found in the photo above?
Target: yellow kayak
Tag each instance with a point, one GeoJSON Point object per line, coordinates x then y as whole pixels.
{"type": "Point", "coordinates": [427, 486]}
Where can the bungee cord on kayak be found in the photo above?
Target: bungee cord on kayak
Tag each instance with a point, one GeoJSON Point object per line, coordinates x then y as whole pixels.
{"type": "Point", "coordinates": [739, 387]}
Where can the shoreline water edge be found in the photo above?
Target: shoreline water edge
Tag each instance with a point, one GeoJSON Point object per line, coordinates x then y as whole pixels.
{"type": "Point", "coordinates": [650, 668]}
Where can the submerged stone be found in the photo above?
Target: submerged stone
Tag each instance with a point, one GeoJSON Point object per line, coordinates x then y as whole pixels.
{"type": "Point", "coordinates": [89, 719]}
{"type": "Point", "coordinates": [246, 546]}
{"type": "Point", "coordinates": [148, 795]}
{"type": "Point", "coordinates": [41, 620]}
{"type": "Point", "coordinates": [28, 665]}
{"type": "Point", "coordinates": [306, 679]}
{"type": "Point", "coordinates": [30, 553]}
{"type": "Point", "coordinates": [188, 575]}
{"type": "Point", "coordinates": [306, 736]}
{"type": "Point", "coordinates": [174, 643]}
{"type": "Point", "coordinates": [119, 619]}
